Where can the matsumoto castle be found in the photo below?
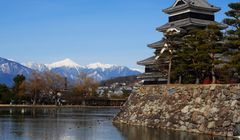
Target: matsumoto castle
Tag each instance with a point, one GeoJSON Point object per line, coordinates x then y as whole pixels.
{"type": "Point", "coordinates": [183, 16]}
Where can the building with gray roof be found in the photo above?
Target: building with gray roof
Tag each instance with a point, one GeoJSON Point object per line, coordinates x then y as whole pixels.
{"type": "Point", "coordinates": [183, 15]}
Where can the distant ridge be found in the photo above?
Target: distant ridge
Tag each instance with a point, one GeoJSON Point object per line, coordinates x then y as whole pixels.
{"type": "Point", "coordinates": [99, 65]}
{"type": "Point", "coordinates": [99, 71]}
{"type": "Point", "coordinates": [67, 68]}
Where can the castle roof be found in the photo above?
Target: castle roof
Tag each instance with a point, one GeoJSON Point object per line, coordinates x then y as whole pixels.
{"type": "Point", "coordinates": [193, 4]}
{"type": "Point", "coordinates": [148, 61]}
{"type": "Point", "coordinates": [188, 22]}
{"type": "Point", "coordinates": [157, 44]}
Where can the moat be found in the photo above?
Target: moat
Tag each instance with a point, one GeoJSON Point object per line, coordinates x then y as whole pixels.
{"type": "Point", "coordinates": [78, 124]}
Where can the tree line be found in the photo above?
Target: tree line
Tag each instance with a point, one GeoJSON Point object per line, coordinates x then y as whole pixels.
{"type": "Point", "coordinates": [204, 55]}
{"type": "Point", "coordinates": [48, 88]}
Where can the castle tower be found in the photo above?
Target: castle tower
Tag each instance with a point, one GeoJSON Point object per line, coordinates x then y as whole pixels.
{"type": "Point", "coordinates": [183, 15]}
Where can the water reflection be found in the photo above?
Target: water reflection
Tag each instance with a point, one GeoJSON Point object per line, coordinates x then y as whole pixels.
{"type": "Point", "coordinates": [58, 124]}
{"type": "Point", "coordinates": [78, 124]}
{"type": "Point", "coordinates": [144, 133]}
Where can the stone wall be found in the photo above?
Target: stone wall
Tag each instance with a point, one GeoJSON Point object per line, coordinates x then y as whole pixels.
{"type": "Point", "coordinates": [208, 109]}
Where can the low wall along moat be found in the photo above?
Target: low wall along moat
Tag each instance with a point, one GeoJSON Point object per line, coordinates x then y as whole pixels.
{"type": "Point", "coordinates": [208, 109]}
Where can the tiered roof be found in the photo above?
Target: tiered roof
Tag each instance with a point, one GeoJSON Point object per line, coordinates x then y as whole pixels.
{"type": "Point", "coordinates": [195, 6]}
{"type": "Point", "coordinates": [183, 15]}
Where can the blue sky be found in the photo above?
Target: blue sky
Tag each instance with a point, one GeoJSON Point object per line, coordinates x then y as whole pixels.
{"type": "Point", "coordinates": [86, 31]}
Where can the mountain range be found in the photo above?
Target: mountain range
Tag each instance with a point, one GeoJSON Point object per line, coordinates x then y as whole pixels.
{"type": "Point", "coordinates": [9, 69]}
{"type": "Point", "coordinates": [66, 68]}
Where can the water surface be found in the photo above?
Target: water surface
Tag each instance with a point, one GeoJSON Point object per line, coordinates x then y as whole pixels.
{"type": "Point", "coordinates": [78, 124]}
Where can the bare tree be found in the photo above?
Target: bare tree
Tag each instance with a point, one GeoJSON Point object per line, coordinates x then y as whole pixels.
{"type": "Point", "coordinates": [54, 85]}
{"type": "Point", "coordinates": [34, 86]}
{"type": "Point", "coordinates": [86, 86]}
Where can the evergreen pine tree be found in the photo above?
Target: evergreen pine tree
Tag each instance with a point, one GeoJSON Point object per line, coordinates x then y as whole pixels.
{"type": "Point", "coordinates": [195, 55]}
{"type": "Point", "coordinates": [233, 35]}
{"type": "Point", "coordinates": [211, 39]}
{"type": "Point", "coordinates": [172, 41]}
{"type": "Point", "coordinates": [18, 88]}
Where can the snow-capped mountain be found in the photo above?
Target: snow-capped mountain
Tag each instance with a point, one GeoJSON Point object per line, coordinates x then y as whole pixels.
{"type": "Point", "coordinates": [64, 63]}
{"type": "Point", "coordinates": [66, 68]}
{"type": "Point", "coordinates": [9, 69]}
{"type": "Point", "coordinates": [99, 65]}
{"type": "Point", "coordinates": [36, 66]}
{"type": "Point", "coordinates": [106, 71]}
{"type": "Point", "coordinates": [70, 69]}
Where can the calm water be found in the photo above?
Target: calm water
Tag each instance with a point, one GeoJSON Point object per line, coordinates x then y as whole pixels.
{"type": "Point", "coordinates": [78, 124]}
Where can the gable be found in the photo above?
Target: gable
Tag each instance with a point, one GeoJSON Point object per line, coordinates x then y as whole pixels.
{"type": "Point", "coordinates": [179, 2]}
